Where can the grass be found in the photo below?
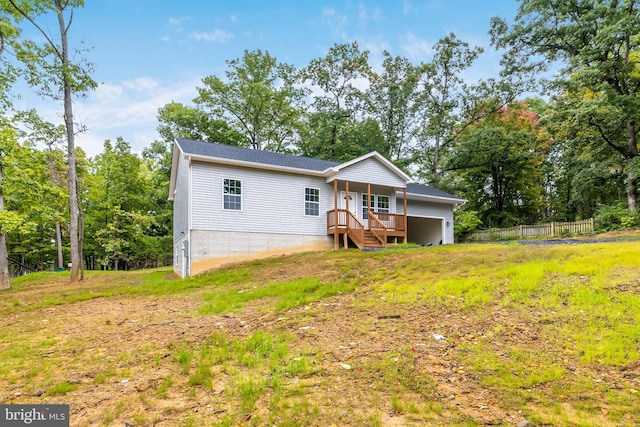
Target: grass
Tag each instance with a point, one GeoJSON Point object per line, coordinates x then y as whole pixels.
{"type": "Point", "coordinates": [548, 332]}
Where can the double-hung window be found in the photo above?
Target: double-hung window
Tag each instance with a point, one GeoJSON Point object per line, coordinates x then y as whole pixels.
{"type": "Point", "coordinates": [377, 203]}
{"type": "Point", "coordinates": [312, 201]}
{"type": "Point", "coordinates": [232, 194]}
{"type": "Point", "coordinates": [382, 204]}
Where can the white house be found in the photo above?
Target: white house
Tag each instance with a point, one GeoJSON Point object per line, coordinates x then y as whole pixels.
{"type": "Point", "coordinates": [233, 203]}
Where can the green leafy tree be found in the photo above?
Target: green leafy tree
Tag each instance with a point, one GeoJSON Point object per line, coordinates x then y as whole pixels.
{"type": "Point", "coordinates": [179, 121]}
{"type": "Point", "coordinates": [444, 101]}
{"type": "Point", "coordinates": [498, 163]}
{"type": "Point", "coordinates": [596, 43]}
{"type": "Point", "coordinates": [353, 139]}
{"type": "Point", "coordinates": [118, 212]}
{"type": "Point", "coordinates": [50, 69]}
{"type": "Point", "coordinates": [582, 172]}
{"type": "Point", "coordinates": [259, 100]}
{"type": "Point", "coordinates": [338, 78]}
{"type": "Point", "coordinates": [393, 99]}
{"type": "Point", "coordinates": [41, 132]}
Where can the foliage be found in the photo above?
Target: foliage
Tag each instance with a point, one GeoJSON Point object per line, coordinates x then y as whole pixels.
{"type": "Point", "coordinates": [597, 45]}
{"type": "Point", "coordinates": [339, 102]}
{"type": "Point", "coordinates": [179, 121]}
{"type": "Point", "coordinates": [259, 100]}
{"type": "Point", "coordinates": [497, 161]}
{"type": "Point", "coordinates": [616, 217]}
{"type": "Point", "coordinates": [442, 100]}
{"type": "Point", "coordinates": [466, 220]}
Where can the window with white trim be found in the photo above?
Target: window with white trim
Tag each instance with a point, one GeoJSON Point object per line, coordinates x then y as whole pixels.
{"type": "Point", "coordinates": [232, 194]}
{"type": "Point", "coordinates": [312, 201]}
{"type": "Point", "coordinates": [377, 203]}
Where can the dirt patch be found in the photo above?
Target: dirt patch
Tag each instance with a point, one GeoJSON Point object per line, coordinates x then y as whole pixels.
{"type": "Point", "coordinates": [374, 362]}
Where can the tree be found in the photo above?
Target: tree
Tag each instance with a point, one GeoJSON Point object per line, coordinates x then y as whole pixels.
{"type": "Point", "coordinates": [43, 132]}
{"type": "Point", "coordinates": [7, 137]}
{"type": "Point", "coordinates": [353, 139]}
{"type": "Point", "coordinates": [393, 98]}
{"type": "Point", "coordinates": [50, 68]}
{"type": "Point", "coordinates": [337, 76]}
{"type": "Point", "coordinates": [179, 121]}
{"type": "Point", "coordinates": [8, 36]}
{"type": "Point", "coordinates": [259, 100]}
{"type": "Point", "coordinates": [497, 161]}
{"type": "Point", "coordinates": [597, 44]}
{"type": "Point", "coordinates": [119, 212]}
{"type": "Point", "coordinates": [582, 171]}
{"type": "Point", "coordinates": [444, 102]}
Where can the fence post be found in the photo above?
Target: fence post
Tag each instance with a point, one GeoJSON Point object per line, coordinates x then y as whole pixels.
{"type": "Point", "coordinates": [593, 224]}
{"type": "Point", "coordinates": [553, 229]}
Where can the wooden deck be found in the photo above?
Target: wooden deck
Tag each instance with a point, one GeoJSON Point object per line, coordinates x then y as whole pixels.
{"type": "Point", "coordinates": [380, 227]}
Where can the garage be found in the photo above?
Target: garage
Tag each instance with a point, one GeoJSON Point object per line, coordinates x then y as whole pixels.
{"type": "Point", "coordinates": [425, 231]}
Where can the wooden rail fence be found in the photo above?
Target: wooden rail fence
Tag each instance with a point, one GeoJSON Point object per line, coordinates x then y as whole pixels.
{"type": "Point", "coordinates": [552, 229]}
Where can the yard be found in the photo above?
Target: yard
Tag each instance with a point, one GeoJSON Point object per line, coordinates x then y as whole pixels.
{"type": "Point", "coordinates": [450, 335]}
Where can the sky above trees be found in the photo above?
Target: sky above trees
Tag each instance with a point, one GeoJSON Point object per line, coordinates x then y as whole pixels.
{"type": "Point", "coordinates": [148, 53]}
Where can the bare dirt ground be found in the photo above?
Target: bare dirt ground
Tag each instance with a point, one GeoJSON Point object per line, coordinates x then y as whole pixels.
{"type": "Point", "coordinates": [103, 332]}
{"type": "Point", "coordinates": [135, 339]}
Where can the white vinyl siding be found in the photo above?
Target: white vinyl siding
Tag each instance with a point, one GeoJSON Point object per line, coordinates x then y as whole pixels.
{"type": "Point", "coordinates": [181, 200]}
{"type": "Point", "coordinates": [271, 201]}
{"type": "Point", "coordinates": [312, 201]}
{"type": "Point", "coordinates": [430, 209]}
{"type": "Point", "coordinates": [371, 171]}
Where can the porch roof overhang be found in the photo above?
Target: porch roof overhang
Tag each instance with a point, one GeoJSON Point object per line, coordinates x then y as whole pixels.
{"type": "Point", "coordinates": [436, 198]}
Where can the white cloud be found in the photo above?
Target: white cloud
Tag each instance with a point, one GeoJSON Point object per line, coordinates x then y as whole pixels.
{"type": "Point", "coordinates": [128, 109]}
{"type": "Point", "coordinates": [364, 15]}
{"type": "Point", "coordinates": [178, 21]}
{"type": "Point", "coordinates": [141, 84]}
{"type": "Point", "coordinates": [417, 49]}
{"type": "Point", "coordinates": [217, 36]}
{"type": "Point", "coordinates": [337, 23]}
{"type": "Point", "coordinates": [234, 17]}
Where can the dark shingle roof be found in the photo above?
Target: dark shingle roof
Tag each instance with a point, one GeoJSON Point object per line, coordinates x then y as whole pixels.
{"type": "Point", "coordinates": [211, 149]}
{"type": "Point", "coordinates": [425, 190]}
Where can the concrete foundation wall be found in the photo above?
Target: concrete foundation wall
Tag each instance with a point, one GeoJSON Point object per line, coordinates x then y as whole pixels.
{"type": "Point", "coordinates": [210, 249]}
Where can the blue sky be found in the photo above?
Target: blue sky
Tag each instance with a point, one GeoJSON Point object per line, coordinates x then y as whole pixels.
{"type": "Point", "coordinates": [147, 53]}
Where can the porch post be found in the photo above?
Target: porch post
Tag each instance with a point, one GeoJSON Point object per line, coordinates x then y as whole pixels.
{"type": "Point", "coordinates": [346, 201]}
{"type": "Point", "coordinates": [406, 222]}
{"type": "Point", "coordinates": [368, 200]}
{"type": "Point", "coordinates": [336, 237]}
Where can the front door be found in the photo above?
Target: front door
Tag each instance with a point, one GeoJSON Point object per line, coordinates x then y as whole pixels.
{"type": "Point", "coordinates": [353, 202]}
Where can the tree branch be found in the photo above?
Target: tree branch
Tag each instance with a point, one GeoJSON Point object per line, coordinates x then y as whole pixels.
{"type": "Point", "coordinates": [35, 24]}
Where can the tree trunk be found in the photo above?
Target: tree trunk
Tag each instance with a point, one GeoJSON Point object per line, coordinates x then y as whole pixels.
{"type": "Point", "coordinates": [76, 256]}
{"type": "Point", "coordinates": [59, 241]}
{"type": "Point", "coordinates": [81, 229]}
{"type": "Point", "coordinates": [632, 176]}
{"type": "Point", "coordinates": [4, 256]}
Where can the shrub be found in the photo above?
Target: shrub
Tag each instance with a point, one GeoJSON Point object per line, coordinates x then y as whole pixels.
{"type": "Point", "coordinates": [616, 217]}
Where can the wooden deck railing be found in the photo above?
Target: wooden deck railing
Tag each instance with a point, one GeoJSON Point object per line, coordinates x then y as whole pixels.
{"type": "Point", "coordinates": [347, 221]}
{"type": "Point", "coordinates": [392, 221]}
{"type": "Point", "coordinates": [355, 229]}
{"type": "Point", "coordinates": [377, 228]}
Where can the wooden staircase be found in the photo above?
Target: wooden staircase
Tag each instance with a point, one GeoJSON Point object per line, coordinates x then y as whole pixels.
{"type": "Point", "coordinates": [371, 242]}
